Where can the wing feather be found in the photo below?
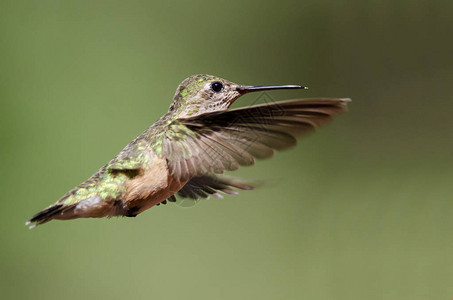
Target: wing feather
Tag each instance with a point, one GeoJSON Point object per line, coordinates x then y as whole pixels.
{"type": "Point", "coordinates": [218, 141]}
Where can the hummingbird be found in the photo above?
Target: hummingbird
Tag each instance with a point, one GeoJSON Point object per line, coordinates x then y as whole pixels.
{"type": "Point", "coordinates": [185, 152]}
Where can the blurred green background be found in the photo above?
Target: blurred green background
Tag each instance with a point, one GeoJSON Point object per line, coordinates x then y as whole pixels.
{"type": "Point", "coordinates": [360, 210]}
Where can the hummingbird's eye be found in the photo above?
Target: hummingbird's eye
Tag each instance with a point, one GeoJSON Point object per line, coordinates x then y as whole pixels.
{"type": "Point", "coordinates": [217, 86]}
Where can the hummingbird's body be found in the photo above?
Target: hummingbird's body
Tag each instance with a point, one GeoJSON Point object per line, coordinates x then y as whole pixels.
{"type": "Point", "coordinates": [181, 153]}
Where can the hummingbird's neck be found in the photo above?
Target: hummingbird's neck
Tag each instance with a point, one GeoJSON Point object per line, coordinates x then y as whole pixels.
{"type": "Point", "coordinates": [192, 107]}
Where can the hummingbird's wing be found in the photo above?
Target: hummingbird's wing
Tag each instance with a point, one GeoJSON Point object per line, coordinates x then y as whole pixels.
{"type": "Point", "coordinates": [204, 186]}
{"type": "Point", "coordinates": [218, 141]}
{"type": "Point", "coordinates": [210, 185]}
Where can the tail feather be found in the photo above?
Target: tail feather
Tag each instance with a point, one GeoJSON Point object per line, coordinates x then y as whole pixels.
{"type": "Point", "coordinates": [45, 215]}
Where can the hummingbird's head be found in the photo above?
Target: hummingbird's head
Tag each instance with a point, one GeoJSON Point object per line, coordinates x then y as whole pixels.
{"type": "Point", "coordinates": [201, 93]}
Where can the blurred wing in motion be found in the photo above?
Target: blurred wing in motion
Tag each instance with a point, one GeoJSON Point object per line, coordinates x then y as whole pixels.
{"type": "Point", "coordinates": [205, 186]}
{"type": "Point", "coordinates": [211, 185]}
{"type": "Point", "coordinates": [224, 140]}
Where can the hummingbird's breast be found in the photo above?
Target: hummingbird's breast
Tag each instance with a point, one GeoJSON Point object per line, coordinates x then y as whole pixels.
{"type": "Point", "coordinates": [153, 185]}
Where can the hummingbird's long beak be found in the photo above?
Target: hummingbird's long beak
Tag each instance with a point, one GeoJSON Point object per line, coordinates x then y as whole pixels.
{"type": "Point", "coordinates": [243, 89]}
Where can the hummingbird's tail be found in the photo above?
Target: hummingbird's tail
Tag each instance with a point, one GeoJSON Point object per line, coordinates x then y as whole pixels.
{"type": "Point", "coordinates": [83, 201]}
{"type": "Point", "coordinates": [47, 214]}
